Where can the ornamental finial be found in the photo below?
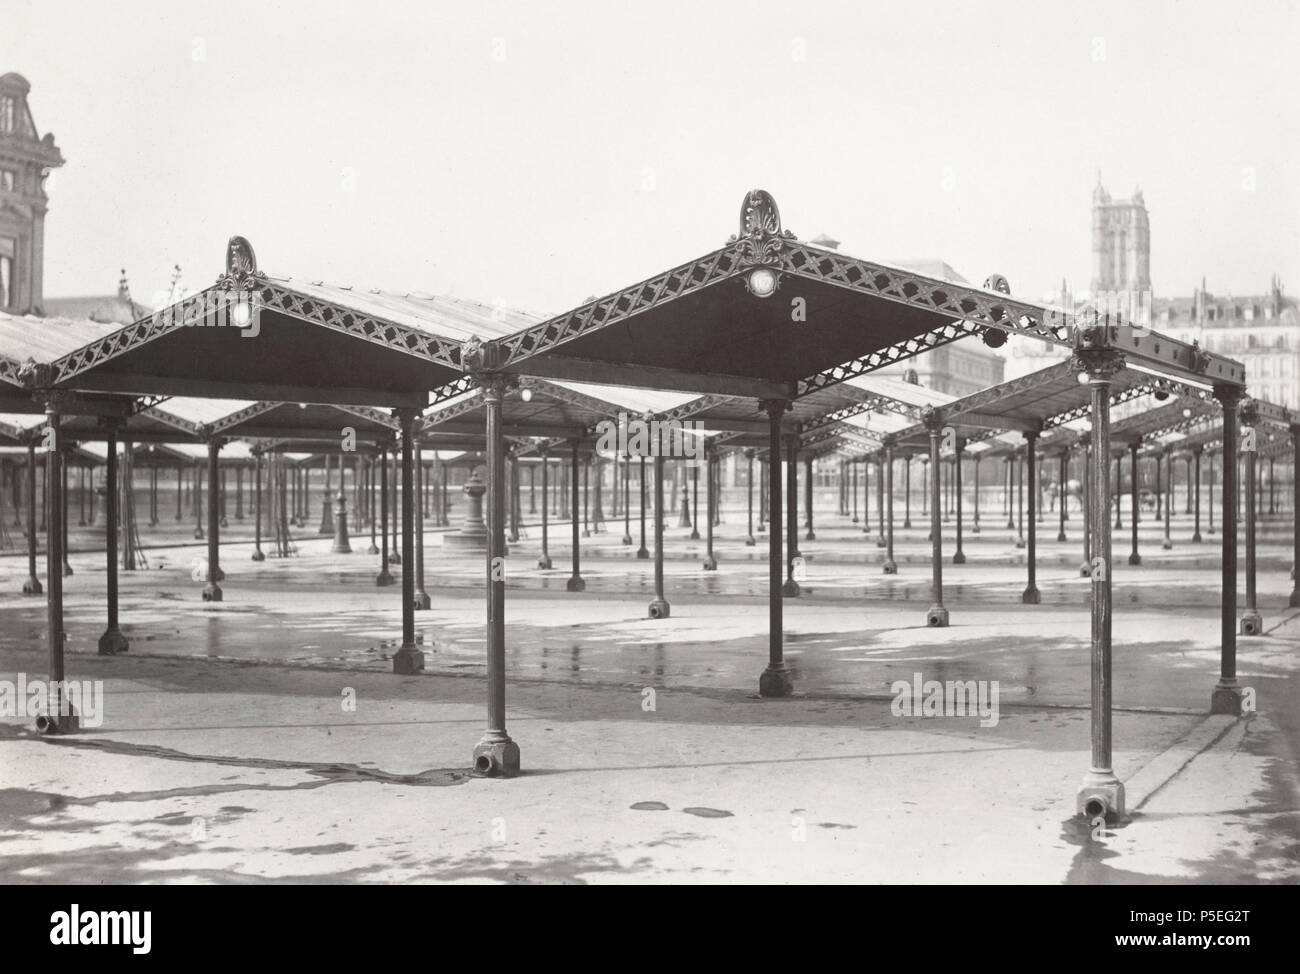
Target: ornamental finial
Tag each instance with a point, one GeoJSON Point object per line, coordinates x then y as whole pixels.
{"type": "Point", "coordinates": [760, 234]}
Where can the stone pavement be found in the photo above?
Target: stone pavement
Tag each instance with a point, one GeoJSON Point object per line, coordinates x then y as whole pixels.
{"type": "Point", "coordinates": [208, 770]}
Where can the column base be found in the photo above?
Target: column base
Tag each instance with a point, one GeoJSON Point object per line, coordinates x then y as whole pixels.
{"type": "Point", "coordinates": [890, 567]}
{"type": "Point", "coordinates": [855, 520]}
{"type": "Point", "coordinates": [790, 588]}
{"type": "Point", "coordinates": [67, 570]}
{"type": "Point", "coordinates": [627, 539]}
{"type": "Point", "coordinates": [586, 532]}
{"type": "Point", "coordinates": [958, 558]}
{"type": "Point", "coordinates": [32, 586]}
{"type": "Point", "coordinates": [1294, 601]}
{"type": "Point", "coordinates": [936, 617]}
{"type": "Point", "coordinates": [1167, 544]}
{"type": "Point", "coordinates": [544, 562]}
{"type": "Point", "coordinates": [642, 554]}
{"type": "Point", "coordinates": [775, 681]}
{"type": "Point", "coordinates": [383, 578]}
{"type": "Point", "coordinates": [975, 529]}
{"type": "Point", "coordinates": [880, 543]}
{"type": "Point", "coordinates": [1085, 570]}
{"type": "Point", "coordinates": [223, 523]}
{"type": "Point", "coordinates": [373, 549]}
{"type": "Point", "coordinates": [1252, 624]}
{"type": "Point", "coordinates": [422, 601]}
{"type": "Point", "coordinates": [394, 559]}
{"type": "Point", "coordinates": [1060, 536]}
{"type": "Point", "coordinates": [710, 564]}
{"type": "Point", "coordinates": [1031, 596]}
{"type": "Point", "coordinates": [259, 555]}
{"type": "Point", "coordinates": [1226, 699]}
{"type": "Point", "coordinates": [198, 534]}
{"type": "Point", "coordinates": [495, 758]}
{"type": "Point", "coordinates": [408, 660]}
{"type": "Point", "coordinates": [69, 723]}
{"type": "Point", "coordinates": [1209, 530]}
{"type": "Point", "coordinates": [1101, 794]}
{"type": "Point", "coordinates": [575, 584]}
{"type": "Point", "coordinates": [750, 542]}
{"type": "Point", "coordinates": [694, 536]}
{"type": "Point", "coordinates": [907, 525]}
{"type": "Point", "coordinates": [810, 536]}
{"type": "Point", "coordinates": [1020, 542]}
{"type": "Point", "coordinates": [113, 642]}
{"type": "Point", "coordinates": [212, 592]}
{"type": "Point", "coordinates": [660, 609]}
{"type": "Point", "coordinates": [1196, 538]}
{"type": "Point", "coordinates": [1135, 559]}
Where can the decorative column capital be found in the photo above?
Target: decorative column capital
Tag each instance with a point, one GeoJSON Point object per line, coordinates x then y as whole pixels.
{"type": "Point", "coordinates": [1099, 364]}
{"type": "Point", "coordinates": [775, 408]}
{"type": "Point", "coordinates": [932, 419]}
{"type": "Point", "coordinates": [1228, 396]}
{"type": "Point", "coordinates": [1248, 410]}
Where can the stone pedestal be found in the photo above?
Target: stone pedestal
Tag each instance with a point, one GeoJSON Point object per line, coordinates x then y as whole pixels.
{"type": "Point", "coordinates": [473, 534]}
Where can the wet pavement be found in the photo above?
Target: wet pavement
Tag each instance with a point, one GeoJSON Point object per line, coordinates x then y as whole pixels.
{"type": "Point", "coordinates": [710, 782]}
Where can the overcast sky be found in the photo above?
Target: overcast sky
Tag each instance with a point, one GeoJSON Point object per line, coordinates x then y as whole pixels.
{"type": "Point", "coordinates": [539, 153]}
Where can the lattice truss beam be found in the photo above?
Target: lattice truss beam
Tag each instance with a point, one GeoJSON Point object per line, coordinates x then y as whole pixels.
{"type": "Point", "coordinates": [943, 335]}
{"type": "Point", "coordinates": [870, 402]}
{"type": "Point", "coordinates": [197, 308]}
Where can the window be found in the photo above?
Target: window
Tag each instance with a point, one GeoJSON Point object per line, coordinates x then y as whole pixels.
{"type": "Point", "coordinates": [8, 112]}
{"type": "Point", "coordinates": [7, 179]}
{"type": "Point", "coordinates": [8, 249]}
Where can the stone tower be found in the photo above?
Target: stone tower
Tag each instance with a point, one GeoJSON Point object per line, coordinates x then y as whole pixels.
{"type": "Point", "coordinates": [25, 160]}
{"type": "Point", "coordinates": [1121, 243]}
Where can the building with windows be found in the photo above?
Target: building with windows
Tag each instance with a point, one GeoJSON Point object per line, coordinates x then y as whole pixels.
{"type": "Point", "coordinates": [25, 160]}
{"type": "Point", "coordinates": [1262, 331]}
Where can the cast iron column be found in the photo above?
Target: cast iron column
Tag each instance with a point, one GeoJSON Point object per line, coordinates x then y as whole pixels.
{"type": "Point", "coordinates": [196, 495]}
{"type": "Point", "coordinates": [1169, 500]}
{"type": "Point", "coordinates": [384, 577]}
{"type": "Point", "coordinates": [1196, 507]}
{"type": "Point", "coordinates": [853, 467]}
{"type": "Point", "coordinates": [659, 607]}
{"type": "Point", "coordinates": [544, 562]}
{"type": "Point", "coordinates": [907, 492]}
{"type": "Point", "coordinates": [975, 500]}
{"type": "Point", "coordinates": [880, 501]}
{"type": "Point", "coordinates": [59, 717]}
{"type": "Point", "coordinates": [421, 597]}
{"type": "Point", "coordinates": [1102, 793]}
{"type": "Point", "coordinates": [1226, 698]}
{"type": "Point", "coordinates": [890, 566]}
{"type": "Point", "coordinates": [808, 496]}
{"type": "Point", "coordinates": [749, 491]}
{"type": "Point", "coordinates": [791, 587]}
{"type": "Point", "coordinates": [1031, 595]}
{"type": "Point", "coordinates": [695, 503]}
{"type": "Point", "coordinates": [575, 582]}
{"type": "Point", "coordinates": [1063, 491]}
{"type": "Point", "coordinates": [1085, 502]}
{"type": "Point", "coordinates": [936, 615]}
{"type": "Point", "coordinates": [258, 554]}
{"type": "Point", "coordinates": [33, 584]}
{"type": "Point", "coordinates": [112, 641]}
{"type": "Point", "coordinates": [496, 753]}
{"type": "Point", "coordinates": [776, 680]}
{"type": "Point", "coordinates": [1294, 600]}
{"type": "Point", "coordinates": [1252, 624]}
{"type": "Point", "coordinates": [710, 562]}
{"type": "Point", "coordinates": [212, 591]}
{"type": "Point", "coordinates": [409, 658]}
{"type": "Point", "coordinates": [1134, 558]}
{"type": "Point", "coordinates": [627, 497]}
{"type": "Point", "coordinates": [642, 552]}
{"type": "Point", "coordinates": [958, 556]}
